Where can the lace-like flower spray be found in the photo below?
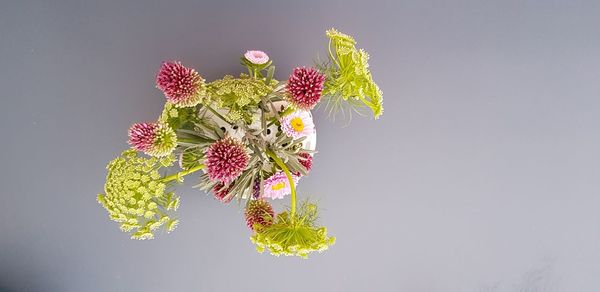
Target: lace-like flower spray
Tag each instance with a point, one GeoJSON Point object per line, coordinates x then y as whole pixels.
{"type": "Point", "coordinates": [349, 81]}
{"type": "Point", "coordinates": [154, 139]}
{"type": "Point", "coordinates": [278, 186]}
{"type": "Point", "coordinates": [293, 235]}
{"type": "Point", "coordinates": [136, 197]}
{"type": "Point", "coordinates": [297, 124]}
{"type": "Point", "coordinates": [225, 160]}
{"type": "Point", "coordinates": [182, 86]}
{"type": "Point", "coordinates": [259, 214]}
{"type": "Point", "coordinates": [304, 87]}
{"type": "Point", "coordinates": [256, 57]}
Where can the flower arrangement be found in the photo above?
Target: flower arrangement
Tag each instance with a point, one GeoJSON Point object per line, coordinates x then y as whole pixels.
{"type": "Point", "coordinates": [249, 138]}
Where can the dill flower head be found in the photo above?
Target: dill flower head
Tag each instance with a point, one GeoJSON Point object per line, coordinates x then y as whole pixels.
{"type": "Point", "coordinates": [296, 235]}
{"type": "Point", "coordinates": [348, 77]}
{"type": "Point", "coordinates": [154, 139]}
{"type": "Point", "coordinates": [182, 86]}
{"type": "Point", "coordinates": [297, 124]}
{"type": "Point", "coordinates": [225, 160]}
{"type": "Point", "coordinates": [178, 117]}
{"type": "Point", "coordinates": [277, 186]}
{"type": "Point", "coordinates": [135, 196]}
{"type": "Point", "coordinates": [259, 214]}
{"type": "Point", "coordinates": [240, 96]}
{"type": "Point", "coordinates": [256, 57]}
{"type": "Point", "coordinates": [304, 87]}
{"type": "Point", "coordinates": [220, 191]}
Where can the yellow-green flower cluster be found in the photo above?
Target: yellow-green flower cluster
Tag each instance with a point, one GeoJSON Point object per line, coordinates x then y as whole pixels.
{"type": "Point", "coordinates": [136, 197]}
{"type": "Point", "coordinates": [349, 77]}
{"type": "Point", "coordinates": [239, 95]}
{"type": "Point", "coordinates": [176, 117]}
{"type": "Point", "coordinates": [293, 235]}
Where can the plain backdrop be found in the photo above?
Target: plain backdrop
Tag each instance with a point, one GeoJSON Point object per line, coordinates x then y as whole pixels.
{"type": "Point", "coordinates": [483, 174]}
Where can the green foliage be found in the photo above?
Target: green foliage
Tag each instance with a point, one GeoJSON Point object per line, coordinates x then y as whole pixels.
{"type": "Point", "coordinates": [191, 157]}
{"type": "Point", "coordinates": [239, 95]}
{"type": "Point", "coordinates": [136, 197]}
{"type": "Point", "coordinates": [348, 76]}
{"type": "Point", "coordinates": [178, 117]}
{"type": "Point", "coordinates": [293, 235]}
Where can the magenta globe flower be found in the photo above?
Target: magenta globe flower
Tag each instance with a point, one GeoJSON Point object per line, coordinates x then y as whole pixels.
{"type": "Point", "coordinates": [304, 87]}
{"type": "Point", "coordinates": [259, 213]}
{"type": "Point", "coordinates": [182, 86]}
{"type": "Point", "coordinates": [154, 139]}
{"type": "Point", "coordinates": [225, 160]}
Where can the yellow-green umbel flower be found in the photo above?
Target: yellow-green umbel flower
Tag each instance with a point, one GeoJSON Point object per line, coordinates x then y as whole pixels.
{"type": "Point", "coordinates": [349, 79]}
{"type": "Point", "coordinates": [136, 196]}
{"type": "Point", "coordinates": [238, 95]}
{"type": "Point", "coordinates": [293, 235]}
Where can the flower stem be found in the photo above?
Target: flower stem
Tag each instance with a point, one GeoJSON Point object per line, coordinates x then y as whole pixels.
{"type": "Point", "coordinates": [216, 113]}
{"type": "Point", "coordinates": [179, 175]}
{"type": "Point", "coordinates": [290, 179]}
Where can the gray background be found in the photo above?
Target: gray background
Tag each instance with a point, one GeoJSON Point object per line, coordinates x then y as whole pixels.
{"type": "Point", "coordinates": [482, 175]}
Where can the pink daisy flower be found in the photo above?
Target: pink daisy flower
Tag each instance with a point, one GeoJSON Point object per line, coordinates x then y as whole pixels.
{"type": "Point", "coordinates": [225, 160]}
{"type": "Point", "coordinates": [181, 85]}
{"type": "Point", "coordinates": [305, 86]}
{"type": "Point", "coordinates": [256, 57]}
{"type": "Point", "coordinates": [277, 186]}
{"type": "Point", "coordinates": [297, 124]}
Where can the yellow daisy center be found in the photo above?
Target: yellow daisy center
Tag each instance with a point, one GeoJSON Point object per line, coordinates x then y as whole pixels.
{"type": "Point", "coordinates": [278, 186]}
{"type": "Point", "coordinates": [297, 124]}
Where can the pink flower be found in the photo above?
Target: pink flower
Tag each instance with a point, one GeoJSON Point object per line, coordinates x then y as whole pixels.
{"type": "Point", "coordinates": [305, 86]}
{"type": "Point", "coordinates": [306, 160]}
{"type": "Point", "coordinates": [256, 57]}
{"type": "Point", "coordinates": [152, 138]}
{"type": "Point", "coordinates": [278, 185]}
{"type": "Point", "coordinates": [297, 124]}
{"type": "Point", "coordinates": [220, 192]}
{"type": "Point", "coordinates": [225, 160]}
{"type": "Point", "coordinates": [259, 213]}
{"type": "Point", "coordinates": [182, 86]}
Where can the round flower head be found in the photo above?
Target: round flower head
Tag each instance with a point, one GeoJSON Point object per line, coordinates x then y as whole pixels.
{"type": "Point", "coordinates": [136, 197]}
{"type": "Point", "coordinates": [305, 86]}
{"type": "Point", "coordinates": [182, 86]}
{"type": "Point", "coordinates": [278, 185]}
{"type": "Point", "coordinates": [256, 57]}
{"type": "Point", "coordinates": [225, 160]}
{"type": "Point", "coordinates": [220, 192]}
{"type": "Point", "coordinates": [297, 124]}
{"type": "Point", "coordinates": [154, 139]}
{"type": "Point", "coordinates": [259, 213]}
